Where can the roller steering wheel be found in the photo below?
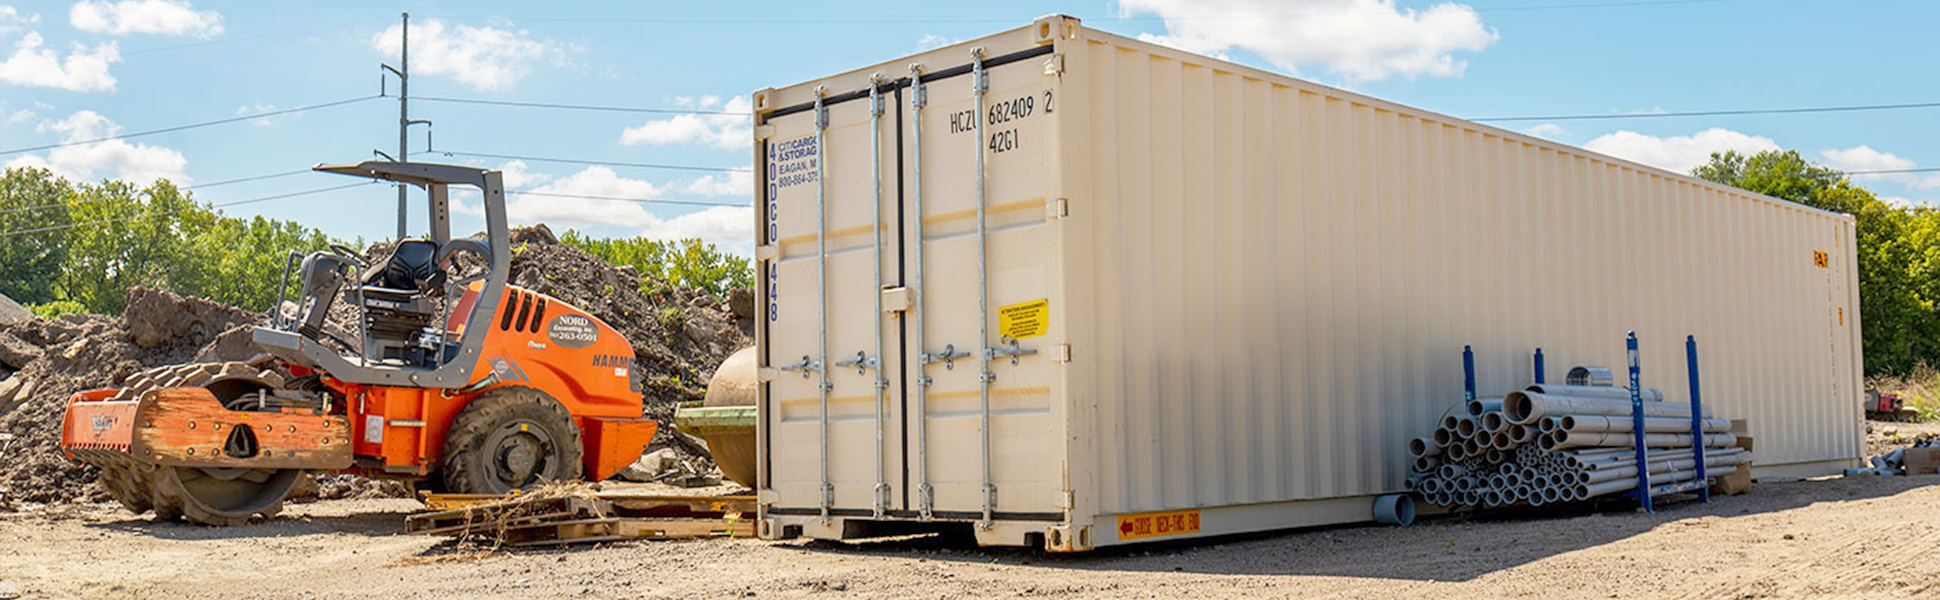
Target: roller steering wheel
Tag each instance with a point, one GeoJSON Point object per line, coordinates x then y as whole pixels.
{"type": "Point", "coordinates": [348, 254]}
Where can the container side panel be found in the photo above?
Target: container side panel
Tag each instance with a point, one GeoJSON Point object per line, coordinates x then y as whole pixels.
{"type": "Point", "coordinates": [1286, 276]}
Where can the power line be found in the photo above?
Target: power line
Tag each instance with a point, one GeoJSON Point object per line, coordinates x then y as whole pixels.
{"type": "Point", "coordinates": [176, 210]}
{"type": "Point", "coordinates": [604, 163]}
{"type": "Point", "coordinates": [629, 109]}
{"type": "Point", "coordinates": [634, 200]}
{"type": "Point", "coordinates": [194, 125]}
{"type": "Point", "coordinates": [1715, 113]}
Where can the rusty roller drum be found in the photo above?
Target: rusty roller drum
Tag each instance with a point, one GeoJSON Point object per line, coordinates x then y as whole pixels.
{"type": "Point", "coordinates": [726, 418]}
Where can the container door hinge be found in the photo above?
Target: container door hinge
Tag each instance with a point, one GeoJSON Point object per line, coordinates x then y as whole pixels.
{"type": "Point", "coordinates": [925, 501]}
{"type": "Point", "coordinates": [767, 252]}
{"type": "Point", "coordinates": [764, 132]}
{"type": "Point", "coordinates": [1061, 353]}
{"type": "Point", "coordinates": [1057, 209]}
{"type": "Point", "coordinates": [1054, 65]}
{"type": "Point", "coordinates": [1066, 499]}
{"type": "Point", "coordinates": [767, 374]}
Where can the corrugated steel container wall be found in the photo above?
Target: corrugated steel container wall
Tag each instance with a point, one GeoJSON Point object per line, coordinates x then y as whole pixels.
{"type": "Point", "coordinates": [1266, 285]}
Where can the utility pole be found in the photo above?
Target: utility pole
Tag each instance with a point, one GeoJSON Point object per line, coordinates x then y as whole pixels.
{"type": "Point", "coordinates": [404, 121]}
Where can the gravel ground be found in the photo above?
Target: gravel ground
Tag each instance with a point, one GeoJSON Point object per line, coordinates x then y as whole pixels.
{"type": "Point", "coordinates": [1868, 537]}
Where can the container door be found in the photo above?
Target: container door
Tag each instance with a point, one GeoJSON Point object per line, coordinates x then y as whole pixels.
{"type": "Point", "coordinates": [833, 414]}
{"type": "Point", "coordinates": [982, 256]}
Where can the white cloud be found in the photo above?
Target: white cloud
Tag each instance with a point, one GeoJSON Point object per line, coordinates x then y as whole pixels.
{"type": "Point", "coordinates": [137, 163]}
{"type": "Point", "coordinates": [732, 183]}
{"type": "Point", "coordinates": [724, 131]}
{"type": "Point", "coordinates": [731, 227]}
{"type": "Point", "coordinates": [11, 21]}
{"type": "Point", "coordinates": [481, 58]}
{"type": "Point", "coordinates": [259, 108]}
{"type": "Point", "coordinates": [165, 17]}
{"type": "Point", "coordinates": [1678, 153]}
{"type": "Point", "coordinates": [1361, 40]}
{"type": "Point", "coordinates": [84, 70]}
{"type": "Point", "coordinates": [519, 176]}
{"type": "Point", "coordinates": [1547, 131]}
{"type": "Point", "coordinates": [933, 41]}
{"type": "Point", "coordinates": [11, 116]}
{"type": "Point", "coordinates": [1865, 158]}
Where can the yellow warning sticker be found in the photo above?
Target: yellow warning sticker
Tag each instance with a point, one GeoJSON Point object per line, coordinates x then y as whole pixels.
{"type": "Point", "coordinates": [1819, 259]}
{"type": "Point", "coordinates": [1026, 320]}
{"type": "Point", "coordinates": [1178, 522]}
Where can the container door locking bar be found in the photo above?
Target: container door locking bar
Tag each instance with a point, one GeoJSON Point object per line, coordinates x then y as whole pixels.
{"type": "Point", "coordinates": [863, 361]}
{"type": "Point", "coordinates": [979, 85]}
{"type": "Point", "coordinates": [925, 495]}
{"type": "Point", "coordinates": [822, 290]}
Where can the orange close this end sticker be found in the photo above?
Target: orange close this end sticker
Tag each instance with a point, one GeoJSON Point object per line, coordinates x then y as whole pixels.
{"type": "Point", "coordinates": [1177, 522]}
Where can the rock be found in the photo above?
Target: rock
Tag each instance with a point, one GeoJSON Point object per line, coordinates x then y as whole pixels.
{"type": "Point", "coordinates": [741, 303]}
{"type": "Point", "coordinates": [157, 318]}
{"type": "Point", "coordinates": [650, 465]}
{"type": "Point", "coordinates": [15, 353]}
{"type": "Point", "coordinates": [14, 389]}
{"type": "Point", "coordinates": [12, 312]}
{"type": "Point", "coordinates": [236, 344]}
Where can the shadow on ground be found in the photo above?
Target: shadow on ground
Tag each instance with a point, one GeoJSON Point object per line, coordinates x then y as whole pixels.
{"type": "Point", "coordinates": [1444, 548]}
{"type": "Point", "coordinates": [368, 523]}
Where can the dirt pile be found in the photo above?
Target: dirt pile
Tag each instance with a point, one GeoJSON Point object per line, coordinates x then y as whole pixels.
{"type": "Point", "coordinates": [81, 352]}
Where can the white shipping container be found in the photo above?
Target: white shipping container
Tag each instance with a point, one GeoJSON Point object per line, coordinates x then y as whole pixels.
{"type": "Point", "coordinates": [1079, 290]}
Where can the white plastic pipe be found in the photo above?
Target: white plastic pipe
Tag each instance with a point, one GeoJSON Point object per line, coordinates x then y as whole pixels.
{"type": "Point", "coordinates": [1592, 490]}
{"type": "Point", "coordinates": [1423, 447]}
{"type": "Point", "coordinates": [1492, 421]}
{"type": "Point", "coordinates": [1502, 441]}
{"type": "Point", "coordinates": [1585, 391]}
{"type": "Point", "coordinates": [1546, 424]}
{"type": "Point", "coordinates": [1565, 439]}
{"type": "Point", "coordinates": [1590, 423]}
{"type": "Point", "coordinates": [1465, 427]}
{"type": "Point", "coordinates": [1689, 464]}
{"type": "Point", "coordinates": [1526, 407]}
{"type": "Point", "coordinates": [1481, 405]}
{"type": "Point", "coordinates": [1523, 434]}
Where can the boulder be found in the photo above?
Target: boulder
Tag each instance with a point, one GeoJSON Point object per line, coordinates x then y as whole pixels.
{"type": "Point", "coordinates": [15, 353]}
{"type": "Point", "coordinates": [650, 465]}
{"type": "Point", "coordinates": [12, 312]}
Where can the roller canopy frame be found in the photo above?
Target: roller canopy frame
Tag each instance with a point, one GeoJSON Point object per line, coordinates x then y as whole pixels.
{"type": "Point", "coordinates": [457, 371]}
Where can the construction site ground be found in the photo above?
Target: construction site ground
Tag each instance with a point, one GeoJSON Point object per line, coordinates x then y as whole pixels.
{"type": "Point", "coordinates": [1861, 537]}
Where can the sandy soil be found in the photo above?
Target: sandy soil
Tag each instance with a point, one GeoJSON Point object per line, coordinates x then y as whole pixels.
{"type": "Point", "coordinates": [1866, 537]}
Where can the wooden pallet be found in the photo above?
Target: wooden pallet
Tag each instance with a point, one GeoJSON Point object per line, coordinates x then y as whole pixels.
{"type": "Point", "coordinates": [582, 519]}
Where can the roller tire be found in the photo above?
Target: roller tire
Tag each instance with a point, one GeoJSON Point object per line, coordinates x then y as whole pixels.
{"type": "Point", "coordinates": [470, 467]}
{"type": "Point", "coordinates": [142, 487]}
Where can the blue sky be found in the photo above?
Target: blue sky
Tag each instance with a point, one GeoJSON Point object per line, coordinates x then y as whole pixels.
{"type": "Point", "coordinates": [73, 71]}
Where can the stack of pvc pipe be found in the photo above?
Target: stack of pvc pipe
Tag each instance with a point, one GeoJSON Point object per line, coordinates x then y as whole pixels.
{"type": "Point", "coordinates": [1556, 443]}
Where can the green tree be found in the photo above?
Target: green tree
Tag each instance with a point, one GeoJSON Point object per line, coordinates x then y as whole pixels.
{"type": "Point", "coordinates": [33, 238]}
{"type": "Point", "coordinates": [84, 245]}
{"type": "Point", "coordinates": [1897, 250]}
{"type": "Point", "coordinates": [240, 262]}
{"type": "Point", "coordinates": [689, 263]}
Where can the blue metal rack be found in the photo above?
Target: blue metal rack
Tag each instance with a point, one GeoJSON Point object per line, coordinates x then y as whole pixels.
{"type": "Point", "coordinates": [1644, 491]}
{"type": "Point", "coordinates": [1700, 484]}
